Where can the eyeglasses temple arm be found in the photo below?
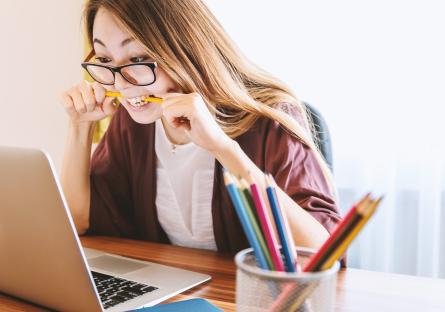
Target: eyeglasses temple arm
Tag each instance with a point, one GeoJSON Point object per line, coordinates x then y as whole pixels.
{"type": "Point", "coordinates": [89, 56]}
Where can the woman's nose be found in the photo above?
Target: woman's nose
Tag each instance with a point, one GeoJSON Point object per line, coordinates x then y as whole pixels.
{"type": "Point", "coordinates": [120, 83]}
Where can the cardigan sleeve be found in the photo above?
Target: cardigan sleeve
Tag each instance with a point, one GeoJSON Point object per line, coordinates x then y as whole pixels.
{"type": "Point", "coordinates": [298, 172]}
{"type": "Point", "coordinates": [111, 202]}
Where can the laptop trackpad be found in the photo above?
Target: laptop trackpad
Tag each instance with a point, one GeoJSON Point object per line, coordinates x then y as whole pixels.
{"type": "Point", "coordinates": [115, 265]}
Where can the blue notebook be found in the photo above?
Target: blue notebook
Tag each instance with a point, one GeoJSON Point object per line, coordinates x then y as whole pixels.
{"type": "Point", "coordinates": [191, 305]}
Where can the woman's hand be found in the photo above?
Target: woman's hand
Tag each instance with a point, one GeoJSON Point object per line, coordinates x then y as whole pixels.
{"type": "Point", "coordinates": [189, 112]}
{"type": "Point", "coordinates": [87, 102]}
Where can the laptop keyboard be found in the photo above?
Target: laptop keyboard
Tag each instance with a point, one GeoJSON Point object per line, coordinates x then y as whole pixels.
{"type": "Point", "coordinates": [113, 290]}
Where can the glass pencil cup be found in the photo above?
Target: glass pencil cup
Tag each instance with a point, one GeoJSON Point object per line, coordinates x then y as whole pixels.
{"type": "Point", "coordinates": [272, 291]}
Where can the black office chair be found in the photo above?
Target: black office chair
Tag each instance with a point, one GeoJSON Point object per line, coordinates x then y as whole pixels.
{"type": "Point", "coordinates": [321, 134]}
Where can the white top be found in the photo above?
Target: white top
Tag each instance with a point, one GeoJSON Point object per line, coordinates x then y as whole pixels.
{"type": "Point", "coordinates": [184, 192]}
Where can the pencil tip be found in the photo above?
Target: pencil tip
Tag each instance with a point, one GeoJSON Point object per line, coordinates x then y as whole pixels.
{"type": "Point", "coordinates": [249, 178]}
{"type": "Point", "coordinates": [227, 176]}
{"type": "Point", "coordinates": [379, 200]}
{"type": "Point", "coordinates": [244, 183]}
{"type": "Point", "coordinates": [267, 178]}
{"type": "Point", "coordinates": [272, 180]}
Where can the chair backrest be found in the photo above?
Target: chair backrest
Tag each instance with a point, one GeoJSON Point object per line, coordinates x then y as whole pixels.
{"type": "Point", "coordinates": [321, 134]}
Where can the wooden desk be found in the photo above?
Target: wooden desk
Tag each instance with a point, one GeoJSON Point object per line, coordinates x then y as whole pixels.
{"type": "Point", "coordinates": [357, 290]}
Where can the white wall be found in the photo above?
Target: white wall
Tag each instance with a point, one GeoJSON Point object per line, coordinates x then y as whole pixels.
{"type": "Point", "coordinates": [41, 51]}
{"type": "Point", "coordinates": [383, 58]}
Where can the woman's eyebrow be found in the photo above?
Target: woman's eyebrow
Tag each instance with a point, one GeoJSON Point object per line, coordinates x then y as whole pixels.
{"type": "Point", "coordinates": [124, 42]}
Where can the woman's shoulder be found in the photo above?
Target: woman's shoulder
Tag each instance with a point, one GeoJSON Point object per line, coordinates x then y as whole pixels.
{"type": "Point", "coordinates": [268, 137]}
{"type": "Point", "coordinates": [267, 126]}
{"type": "Point", "coordinates": [298, 112]}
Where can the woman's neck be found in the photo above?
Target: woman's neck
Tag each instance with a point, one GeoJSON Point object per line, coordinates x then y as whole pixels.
{"type": "Point", "coordinates": [175, 136]}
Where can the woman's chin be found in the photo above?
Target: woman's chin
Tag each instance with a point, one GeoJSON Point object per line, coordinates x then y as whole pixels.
{"type": "Point", "coordinates": [145, 114]}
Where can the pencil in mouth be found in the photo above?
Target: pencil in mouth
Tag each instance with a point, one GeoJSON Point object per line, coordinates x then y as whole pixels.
{"type": "Point", "coordinates": [145, 99]}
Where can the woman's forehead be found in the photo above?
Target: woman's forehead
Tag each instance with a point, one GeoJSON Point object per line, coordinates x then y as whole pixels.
{"type": "Point", "coordinates": [109, 31]}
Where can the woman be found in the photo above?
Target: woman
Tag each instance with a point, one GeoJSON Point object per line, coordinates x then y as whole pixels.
{"type": "Point", "coordinates": [157, 173]}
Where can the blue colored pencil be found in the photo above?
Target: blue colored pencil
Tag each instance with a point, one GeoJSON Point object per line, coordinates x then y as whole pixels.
{"type": "Point", "coordinates": [290, 238]}
{"type": "Point", "coordinates": [246, 198]}
{"type": "Point", "coordinates": [244, 219]}
{"type": "Point", "coordinates": [287, 245]}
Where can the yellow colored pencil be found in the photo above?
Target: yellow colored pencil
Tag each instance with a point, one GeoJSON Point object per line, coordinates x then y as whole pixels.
{"type": "Point", "coordinates": [302, 295]}
{"type": "Point", "coordinates": [146, 99]}
{"type": "Point", "coordinates": [341, 249]}
{"type": "Point", "coordinates": [366, 208]}
{"type": "Point", "coordinates": [348, 240]}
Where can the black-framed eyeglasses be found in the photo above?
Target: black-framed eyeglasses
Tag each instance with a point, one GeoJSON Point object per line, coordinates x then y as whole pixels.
{"type": "Point", "coordinates": [139, 74]}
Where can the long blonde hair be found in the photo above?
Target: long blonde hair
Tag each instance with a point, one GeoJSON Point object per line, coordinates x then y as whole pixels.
{"type": "Point", "coordinates": [190, 45]}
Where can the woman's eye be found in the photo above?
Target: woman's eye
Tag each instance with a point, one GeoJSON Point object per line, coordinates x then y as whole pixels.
{"type": "Point", "coordinates": [138, 59]}
{"type": "Point", "coordinates": [102, 59]}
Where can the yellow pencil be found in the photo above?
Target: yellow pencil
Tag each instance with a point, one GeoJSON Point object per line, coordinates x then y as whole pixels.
{"type": "Point", "coordinates": [341, 249]}
{"type": "Point", "coordinates": [368, 212]}
{"type": "Point", "coordinates": [146, 99]}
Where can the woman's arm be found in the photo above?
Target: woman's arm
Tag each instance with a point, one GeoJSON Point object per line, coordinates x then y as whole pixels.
{"type": "Point", "coordinates": [75, 173]}
{"type": "Point", "coordinates": [205, 132]}
{"type": "Point", "coordinates": [85, 104]}
{"type": "Point", "coordinates": [307, 231]}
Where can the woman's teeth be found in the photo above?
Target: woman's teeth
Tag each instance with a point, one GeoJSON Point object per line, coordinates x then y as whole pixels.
{"type": "Point", "coordinates": [137, 101]}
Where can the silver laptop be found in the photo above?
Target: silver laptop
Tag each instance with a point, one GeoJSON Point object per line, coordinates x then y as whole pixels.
{"type": "Point", "coordinates": [41, 258]}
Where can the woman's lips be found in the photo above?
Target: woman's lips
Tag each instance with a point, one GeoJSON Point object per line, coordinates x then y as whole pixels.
{"type": "Point", "coordinates": [137, 101]}
{"type": "Point", "coordinates": [136, 104]}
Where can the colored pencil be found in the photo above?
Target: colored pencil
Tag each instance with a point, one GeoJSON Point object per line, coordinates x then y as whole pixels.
{"type": "Point", "coordinates": [367, 213]}
{"type": "Point", "coordinates": [287, 228]}
{"type": "Point", "coordinates": [266, 225]}
{"type": "Point", "coordinates": [366, 208]}
{"type": "Point", "coordinates": [302, 296]}
{"type": "Point", "coordinates": [244, 219]}
{"type": "Point", "coordinates": [249, 208]}
{"type": "Point", "coordinates": [339, 239]}
{"type": "Point", "coordinates": [247, 193]}
{"type": "Point", "coordinates": [287, 244]}
{"type": "Point", "coordinates": [321, 254]}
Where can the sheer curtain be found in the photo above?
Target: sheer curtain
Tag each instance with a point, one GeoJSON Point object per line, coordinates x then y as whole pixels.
{"type": "Point", "coordinates": [407, 233]}
{"type": "Point", "coordinates": [376, 71]}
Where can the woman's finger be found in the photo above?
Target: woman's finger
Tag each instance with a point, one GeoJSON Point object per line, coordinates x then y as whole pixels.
{"type": "Point", "coordinates": [178, 115]}
{"type": "Point", "coordinates": [177, 109]}
{"type": "Point", "coordinates": [78, 101]}
{"type": "Point", "coordinates": [99, 92]}
{"type": "Point", "coordinates": [68, 105]}
{"type": "Point", "coordinates": [88, 96]}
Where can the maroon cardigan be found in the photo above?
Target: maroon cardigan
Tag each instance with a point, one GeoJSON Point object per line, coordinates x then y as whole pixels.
{"type": "Point", "coordinates": [123, 182]}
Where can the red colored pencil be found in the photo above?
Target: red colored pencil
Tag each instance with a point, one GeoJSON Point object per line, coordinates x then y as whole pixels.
{"type": "Point", "coordinates": [267, 228]}
{"type": "Point", "coordinates": [321, 254]}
